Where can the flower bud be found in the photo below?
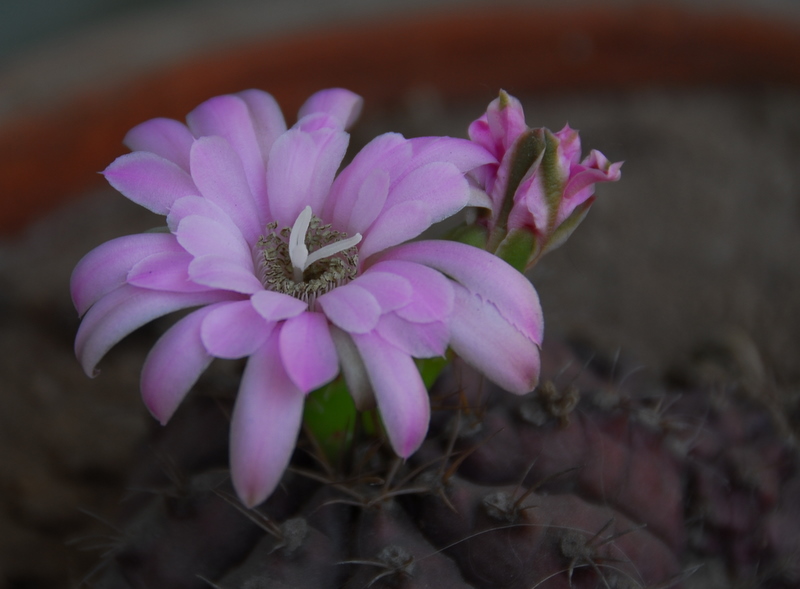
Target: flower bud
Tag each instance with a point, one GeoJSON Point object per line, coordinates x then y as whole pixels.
{"type": "Point", "coordinates": [541, 189]}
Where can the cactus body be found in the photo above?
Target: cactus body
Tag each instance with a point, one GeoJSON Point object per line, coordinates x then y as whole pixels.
{"type": "Point", "coordinates": [589, 482]}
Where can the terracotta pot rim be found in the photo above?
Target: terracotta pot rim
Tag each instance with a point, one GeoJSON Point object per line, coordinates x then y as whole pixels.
{"type": "Point", "coordinates": [47, 157]}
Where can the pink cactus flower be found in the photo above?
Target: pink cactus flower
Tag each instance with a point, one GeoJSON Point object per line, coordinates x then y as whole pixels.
{"type": "Point", "coordinates": [304, 272]}
{"type": "Point", "coordinates": [540, 186]}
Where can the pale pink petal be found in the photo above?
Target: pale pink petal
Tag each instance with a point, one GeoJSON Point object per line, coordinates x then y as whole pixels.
{"type": "Point", "coordinates": [165, 137]}
{"type": "Point", "coordinates": [370, 198]}
{"type": "Point", "coordinates": [440, 185]}
{"type": "Point", "coordinates": [531, 207]}
{"type": "Point", "coordinates": [307, 351]}
{"type": "Point", "coordinates": [223, 273]}
{"type": "Point", "coordinates": [581, 186]}
{"type": "Point", "coordinates": [479, 198]}
{"type": "Point", "coordinates": [276, 306]}
{"type": "Point", "coordinates": [424, 196]}
{"type": "Point", "coordinates": [165, 271]}
{"type": "Point", "coordinates": [267, 118]}
{"type": "Point", "coordinates": [317, 122]}
{"type": "Point", "coordinates": [487, 341]}
{"type": "Point", "coordinates": [506, 119]}
{"type": "Point", "coordinates": [480, 132]}
{"type": "Point", "coordinates": [174, 364]}
{"type": "Point", "coordinates": [464, 155]}
{"type": "Point", "coordinates": [395, 225]}
{"type": "Point", "coordinates": [234, 330]}
{"type": "Point", "coordinates": [106, 267]}
{"type": "Point", "coordinates": [349, 206]}
{"type": "Point", "coordinates": [402, 398]}
{"type": "Point", "coordinates": [189, 206]}
{"type": "Point", "coordinates": [419, 340]}
{"type": "Point", "coordinates": [126, 309]}
{"type": "Point", "coordinates": [353, 370]}
{"type": "Point", "coordinates": [485, 178]}
{"type": "Point", "coordinates": [484, 275]}
{"type": "Point", "coordinates": [431, 293]}
{"type": "Point", "coordinates": [391, 290]}
{"type": "Point", "coordinates": [202, 236]}
{"type": "Point", "coordinates": [265, 424]}
{"type": "Point", "coordinates": [569, 144]}
{"type": "Point", "coordinates": [338, 102]}
{"type": "Point", "coordinates": [230, 117]}
{"type": "Point", "coordinates": [300, 171]}
{"type": "Point", "coordinates": [498, 185]}
{"type": "Point", "coordinates": [149, 180]}
{"type": "Point", "coordinates": [351, 308]}
{"type": "Point", "coordinates": [218, 173]}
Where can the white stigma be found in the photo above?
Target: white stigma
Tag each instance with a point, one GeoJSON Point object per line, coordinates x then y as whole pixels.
{"type": "Point", "coordinates": [298, 252]}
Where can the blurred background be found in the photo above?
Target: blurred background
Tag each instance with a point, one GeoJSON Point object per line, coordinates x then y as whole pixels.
{"type": "Point", "coordinates": [696, 251]}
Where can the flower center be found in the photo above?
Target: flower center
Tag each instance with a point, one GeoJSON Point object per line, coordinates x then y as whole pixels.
{"type": "Point", "coordinates": [307, 260]}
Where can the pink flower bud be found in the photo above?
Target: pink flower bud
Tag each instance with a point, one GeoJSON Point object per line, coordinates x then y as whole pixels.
{"type": "Point", "coordinates": [540, 186]}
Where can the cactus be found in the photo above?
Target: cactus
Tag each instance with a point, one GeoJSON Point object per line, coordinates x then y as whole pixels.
{"type": "Point", "coordinates": [589, 481]}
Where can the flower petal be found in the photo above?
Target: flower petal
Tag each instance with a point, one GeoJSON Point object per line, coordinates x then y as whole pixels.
{"type": "Point", "coordinates": [221, 273]}
{"type": "Point", "coordinates": [149, 180]}
{"type": "Point", "coordinates": [234, 330]}
{"type": "Point", "coordinates": [276, 306]}
{"type": "Point", "coordinates": [307, 350]}
{"type": "Point", "coordinates": [300, 171]}
{"type": "Point", "coordinates": [581, 185]}
{"type": "Point", "coordinates": [353, 370]}
{"type": "Point", "coordinates": [569, 144]}
{"type": "Point", "coordinates": [424, 196]}
{"type": "Point", "coordinates": [464, 155]}
{"type": "Point", "coordinates": [167, 138]}
{"type": "Point", "coordinates": [267, 119]}
{"type": "Point", "coordinates": [218, 173]}
{"type": "Point", "coordinates": [126, 309]}
{"type": "Point", "coordinates": [174, 364]}
{"type": "Point", "coordinates": [418, 340]}
{"type": "Point", "coordinates": [351, 308]}
{"type": "Point", "coordinates": [500, 126]}
{"type": "Point", "coordinates": [484, 275]}
{"type": "Point", "coordinates": [198, 206]}
{"type": "Point", "coordinates": [165, 271]}
{"type": "Point", "coordinates": [360, 190]}
{"type": "Point", "coordinates": [201, 236]}
{"type": "Point", "coordinates": [342, 104]}
{"type": "Point", "coordinates": [230, 118]}
{"type": "Point", "coordinates": [265, 424]}
{"type": "Point", "coordinates": [531, 208]}
{"type": "Point", "coordinates": [106, 267]}
{"type": "Point", "coordinates": [402, 398]}
{"type": "Point", "coordinates": [391, 290]}
{"type": "Point", "coordinates": [431, 293]}
{"type": "Point", "coordinates": [397, 225]}
{"type": "Point", "coordinates": [487, 341]}
{"type": "Point", "coordinates": [370, 199]}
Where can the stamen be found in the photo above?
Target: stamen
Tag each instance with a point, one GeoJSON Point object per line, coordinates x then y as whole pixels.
{"type": "Point", "coordinates": [298, 252]}
{"type": "Point", "coordinates": [285, 264]}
